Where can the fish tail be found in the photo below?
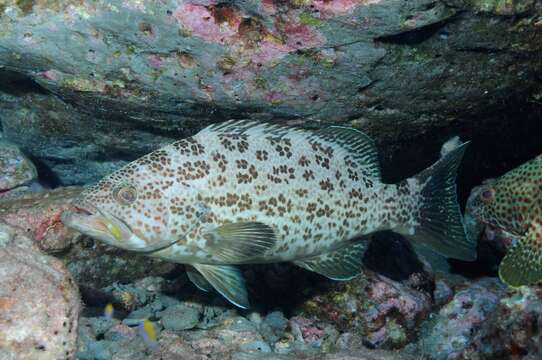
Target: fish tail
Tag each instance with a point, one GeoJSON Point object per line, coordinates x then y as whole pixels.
{"type": "Point", "coordinates": [439, 222]}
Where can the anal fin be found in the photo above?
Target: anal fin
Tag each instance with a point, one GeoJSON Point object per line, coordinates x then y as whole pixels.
{"type": "Point", "coordinates": [342, 264]}
{"type": "Point", "coordinates": [228, 281]}
{"type": "Point", "coordinates": [437, 261]}
{"type": "Point", "coordinates": [522, 265]}
{"type": "Point", "coordinates": [197, 279]}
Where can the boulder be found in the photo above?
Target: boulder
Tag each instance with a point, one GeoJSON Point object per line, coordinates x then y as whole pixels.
{"type": "Point", "coordinates": [39, 302]}
{"type": "Point", "coordinates": [15, 168]}
{"type": "Point", "coordinates": [88, 86]}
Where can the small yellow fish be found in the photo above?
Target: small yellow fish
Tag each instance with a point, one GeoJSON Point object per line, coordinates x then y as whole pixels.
{"type": "Point", "coordinates": [108, 311]}
{"type": "Point", "coordinates": [147, 332]}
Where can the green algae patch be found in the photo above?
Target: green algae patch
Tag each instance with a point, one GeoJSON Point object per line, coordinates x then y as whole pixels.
{"type": "Point", "coordinates": [307, 19]}
{"type": "Point", "coordinates": [25, 5]}
{"type": "Point", "coordinates": [79, 84]}
{"type": "Point", "coordinates": [505, 7]}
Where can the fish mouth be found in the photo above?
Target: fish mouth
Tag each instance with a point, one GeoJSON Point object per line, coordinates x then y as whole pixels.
{"type": "Point", "coordinates": [99, 224]}
{"type": "Point", "coordinates": [90, 220]}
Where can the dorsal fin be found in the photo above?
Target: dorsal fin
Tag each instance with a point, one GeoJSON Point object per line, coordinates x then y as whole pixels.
{"type": "Point", "coordinates": [239, 127]}
{"type": "Point", "coordinates": [360, 147]}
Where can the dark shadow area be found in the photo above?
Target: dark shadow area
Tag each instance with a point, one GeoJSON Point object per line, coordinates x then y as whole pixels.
{"type": "Point", "coordinates": [412, 37]}
{"type": "Point", "coordinates": [486, 264]}
{"type": "Point", "coordinates": [46, 176]}
{"type": "Point", "coordinates": [497, 146]}
{"type": "Point", "coordinates": [17, 84]}
{"type": "Point", "coordinates": [389, 254]}
{"type": "Point", "coordinates": [284, 286]}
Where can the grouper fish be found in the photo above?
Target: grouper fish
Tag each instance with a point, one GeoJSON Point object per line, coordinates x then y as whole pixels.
{"type": "Point", "coordinates": [244, 192]}
{"type": "Point", "coordinates": [512, 203]}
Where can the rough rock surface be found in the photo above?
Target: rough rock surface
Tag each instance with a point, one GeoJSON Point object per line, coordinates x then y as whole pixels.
{"type": "Point", "coordinates": [15, 168]}
{"type": "Point", "coordinates": [513, 330]}
{"type": "Point", "coordinates": [450, 332]}
{"type": "Point", "coordinates": [89, 85]}
{"type": "Point", "coordinates": [39, 302]}
{"type": "Point", "coordinates": [384, 312]}
{"type": "Point", "coordinates": [217, 332]}
{"type": "Point", "coordinates": [37, 214]}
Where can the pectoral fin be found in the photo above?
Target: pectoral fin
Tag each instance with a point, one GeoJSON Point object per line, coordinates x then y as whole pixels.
{"type": "Point", "coordinates": [238, 242]}
{"type": "Point", "coordinates": [197, 279]}
{"type": "Point", "coordinates": [522, 265]}
{"type": "Point", "coordinates": [342, 264]}
{"type": "Point", "coordinates": [228, 281]}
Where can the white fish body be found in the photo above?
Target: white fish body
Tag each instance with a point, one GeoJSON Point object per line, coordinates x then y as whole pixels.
{"type": "Point", "coordinates": [244, 192]}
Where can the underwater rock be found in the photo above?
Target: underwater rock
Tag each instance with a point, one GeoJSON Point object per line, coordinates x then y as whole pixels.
{"type": "Point", "coordinates": [273, 327]}
{"type": "Point", "coordinates": [213, 329]}
{"type": "Point", "coordinates": [96, 265]}
{"type": "Point", "coordinates": [15, 168]}
{"type": "Point", "coordinates": [37, 214]}
{"type": "Point", "coordinates": [514, 328]}
{"type": "Point", "coordinates": [180, 317]}
{"type": "Point", "coordinates": [385, 312]}
{"type": "Point", "coordinates": [39, 302]}
{"type": "Point", "coordinates": [447, 334]}
{"type": "Point", "coordinates": [157, 71]}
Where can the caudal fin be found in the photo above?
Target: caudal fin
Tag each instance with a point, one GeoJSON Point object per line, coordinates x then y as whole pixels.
{"type": "Point", "coordinates": [441, 226]}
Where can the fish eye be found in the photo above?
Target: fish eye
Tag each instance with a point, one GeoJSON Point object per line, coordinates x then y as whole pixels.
{"type": "Point", "coordinates": [488, 194]}
{"type": "Point", "coordinates": [125, 194]}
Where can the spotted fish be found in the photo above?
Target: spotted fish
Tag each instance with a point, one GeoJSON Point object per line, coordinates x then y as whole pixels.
{"type": "Point", "coordinates": [243, 192]}
{"type": "Point", "coordinates": [512, 203]}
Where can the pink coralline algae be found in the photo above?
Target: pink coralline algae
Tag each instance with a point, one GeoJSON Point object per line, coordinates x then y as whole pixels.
{"type": "Point", "coordinates": [307, 328]}
{"type": "Point", "coordinates": [218, 26]}
{"type": "Point", "coordinates": [301, 36]}
{"type": "Point", "coordinates": [268, 6]}
{"type": "Point", "coordinates": [224, 24]}
{"type": "Point", "coordinates": [155, 61]}
{"type": "Point", "coordinates": [338, 7]}
{"type": "Point", "coordinates": [393, 296]}
{"type": "Point", "coordinates": [383, 311]}
{"type": "Point", "coordinates": [274, 96]}
{"type": "Point", "coordinates": [38, 214]}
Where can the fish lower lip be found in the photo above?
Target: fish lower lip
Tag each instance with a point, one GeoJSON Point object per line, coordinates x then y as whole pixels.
{"type": "Point", "coordinates": [82, 211]}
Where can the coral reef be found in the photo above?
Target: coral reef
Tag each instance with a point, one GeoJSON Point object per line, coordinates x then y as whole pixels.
{"type": "Point", "coordinates": [39, 302]}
